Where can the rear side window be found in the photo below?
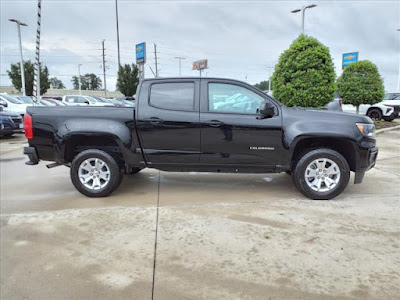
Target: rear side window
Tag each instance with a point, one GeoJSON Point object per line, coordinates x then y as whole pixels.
{"type": "Point", "coordinates": [175, 96]}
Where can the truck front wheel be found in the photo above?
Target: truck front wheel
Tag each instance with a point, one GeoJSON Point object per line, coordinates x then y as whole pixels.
{"type": "Point", "coordinates": [321, 174]}
{"type": "Point", "coordinates": [95, 173]}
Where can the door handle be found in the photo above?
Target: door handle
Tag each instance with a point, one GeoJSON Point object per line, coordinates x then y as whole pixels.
{"type": "Point", "coordinates": [214, 123]}
{"type": "Point", "coordinates": [154, 120]}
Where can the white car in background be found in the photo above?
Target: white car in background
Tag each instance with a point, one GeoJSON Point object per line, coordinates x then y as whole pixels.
{"type": "Point", "coordinates": [13, 104]}
{"type": "Point", "coordinates": [393, 99]}
{"type": "Point", "coordinates": [81, 100]}
{"type": "Point", "coordinates": [377, 111]}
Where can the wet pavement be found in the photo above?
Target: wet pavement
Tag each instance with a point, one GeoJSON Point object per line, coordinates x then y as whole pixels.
{"type": "Point", "coordinates": [219, 236]}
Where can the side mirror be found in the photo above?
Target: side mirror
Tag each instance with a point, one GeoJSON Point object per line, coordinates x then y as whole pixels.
{"type": "Point", "coordinates": [87, 102]}
{"type": "Point", "coordinates": [267, 110]}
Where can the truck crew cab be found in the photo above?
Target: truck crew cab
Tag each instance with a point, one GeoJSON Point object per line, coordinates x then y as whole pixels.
{"type": "Point", "coordinates": [202, 124]}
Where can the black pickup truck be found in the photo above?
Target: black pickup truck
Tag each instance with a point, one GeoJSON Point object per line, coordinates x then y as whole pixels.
{"type": "Point", "coordinates": [202, 125]}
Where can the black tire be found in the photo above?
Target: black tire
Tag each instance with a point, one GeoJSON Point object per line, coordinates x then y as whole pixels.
{"type": "Point", "coordinates": [115, 173]}
{"type": "Point", "coordinates": [299, 180]}
{"type": "Point", "coordinates": [375, 114]}
{"type": "Point", "coordinates": [134, 171]}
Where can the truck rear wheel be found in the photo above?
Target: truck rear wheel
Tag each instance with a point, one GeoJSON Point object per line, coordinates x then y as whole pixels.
{"type": "Point", "coordinates": [95, 173]}
{"type": "Point", "coordinates": [321, 174]}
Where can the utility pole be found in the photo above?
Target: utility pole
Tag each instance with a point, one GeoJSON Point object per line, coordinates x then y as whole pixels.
{"type": "Point", "coordinates": [180, 66]}
{"type": "Point", "coordinates": [79, 79]}
{"type": "Point", "coordinates": [155, 58]}
{"type": "Point", "coordinates": [303, 11]}
{"type": "Point", "coordinates": [116, 15]}
{"type": "Point", "coordinates": [19, 24]}
{"type": "Point", "coordinates": [104, 69]}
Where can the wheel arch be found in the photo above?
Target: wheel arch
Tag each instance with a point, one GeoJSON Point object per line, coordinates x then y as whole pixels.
{"type": "Point", "coordinates": [344, 146]}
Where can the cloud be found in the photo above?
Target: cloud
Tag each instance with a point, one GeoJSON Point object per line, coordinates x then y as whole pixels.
{"type": "Point", "coordinates": [240, 38]}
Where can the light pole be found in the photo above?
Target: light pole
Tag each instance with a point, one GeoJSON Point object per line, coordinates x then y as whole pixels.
{"type": "Point", "coordinates": [19, 24]}
{"type": "Point", "coordinates": [79, 79]}
{"type": "Point", "coordinates": [116, 15]}
{"type": "Point", "coordinates": [398, 76]}
{"type": "Point", "coordinates": [180, 67]}
{"type": "Point", "coordinates": [269, 78]}
{"type": "Point", "coordinates": [303, 10]}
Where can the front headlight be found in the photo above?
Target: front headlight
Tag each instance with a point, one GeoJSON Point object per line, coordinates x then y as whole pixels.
{"type": "Point", "coordinates": [366, 129]}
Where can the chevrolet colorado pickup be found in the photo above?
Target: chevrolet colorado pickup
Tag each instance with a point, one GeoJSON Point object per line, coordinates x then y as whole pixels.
{"type": "Point", "coordinates": [202, 125]}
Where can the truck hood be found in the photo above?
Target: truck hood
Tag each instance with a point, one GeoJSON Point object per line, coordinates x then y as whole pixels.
{"type": "Point", "coordinates": [314, 114]}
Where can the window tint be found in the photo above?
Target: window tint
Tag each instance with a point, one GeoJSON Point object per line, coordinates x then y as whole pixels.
{"type": "Point", "coordinates": [176, 96]}
{"type": "Point", "coordinates": [232, 98]}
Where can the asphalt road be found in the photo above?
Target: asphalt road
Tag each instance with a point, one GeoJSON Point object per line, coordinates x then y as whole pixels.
{"type": "Point", "coordinates": [220, 236]}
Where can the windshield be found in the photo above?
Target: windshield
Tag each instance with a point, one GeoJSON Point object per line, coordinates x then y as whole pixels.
{"type": "Point", "coordinates": [26, 99]}
{"type": "Point", "coordinates": [91, 99]}
{"type": "Point", "coordinates": [47, 103]}
{"type": "Point", "coordinates": [12, 99]}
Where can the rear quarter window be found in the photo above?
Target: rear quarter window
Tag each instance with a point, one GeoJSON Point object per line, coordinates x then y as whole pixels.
{"type": "Point", "coordinates": [174, 96]}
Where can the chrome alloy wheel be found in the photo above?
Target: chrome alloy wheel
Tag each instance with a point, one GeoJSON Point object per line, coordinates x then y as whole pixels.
{"type": "Point", "coordinates": [322, 175]}
{"type": "Point", "coordinates": [94, 173]}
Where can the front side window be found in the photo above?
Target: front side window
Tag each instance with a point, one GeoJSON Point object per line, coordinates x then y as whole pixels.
{"type": "Point", "coordinates": [80, 100]}
{"type": "Point", "coordinates": [174, 96]}
{"type": "Point", "coordinates": [69, 99]}
{"type": "Point", "coordinates": [230, 98]}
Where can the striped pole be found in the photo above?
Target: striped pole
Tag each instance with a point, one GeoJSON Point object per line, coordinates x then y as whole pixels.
{"type": "Point", "coordinates": [36, 74]}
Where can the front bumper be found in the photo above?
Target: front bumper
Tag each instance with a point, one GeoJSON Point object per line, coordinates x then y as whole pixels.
{"type": "Point", "coordinates": [32, 155]}
{"type": "Point", "coordinates": [367, 161]}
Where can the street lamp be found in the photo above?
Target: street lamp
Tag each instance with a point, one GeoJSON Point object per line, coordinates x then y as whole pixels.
{"type": "Point", "coordinates": [79, 79]}
{"type": "Point", "coordinates": [19, 24]}
{"type": "Point", "coordinates": [303, 10]}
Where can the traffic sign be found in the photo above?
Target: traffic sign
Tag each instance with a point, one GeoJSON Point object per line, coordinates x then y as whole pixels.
{"type": "Point", "coordinates": [141, 53]}
{"type": "Point", "coordinates": [349, 58]}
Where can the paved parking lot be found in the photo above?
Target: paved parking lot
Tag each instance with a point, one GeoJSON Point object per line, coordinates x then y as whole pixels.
{"type": "Point", "coordinates": [220, 236]}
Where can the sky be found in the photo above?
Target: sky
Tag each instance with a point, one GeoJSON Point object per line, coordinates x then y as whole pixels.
{"type": "Point", "coordinates": [241, 39]}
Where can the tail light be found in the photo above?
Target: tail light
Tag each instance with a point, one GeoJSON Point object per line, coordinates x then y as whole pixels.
{"type": "Point", "coordinates": [340, 102]}
{"type": "Point", "coordinates": [28, 126]}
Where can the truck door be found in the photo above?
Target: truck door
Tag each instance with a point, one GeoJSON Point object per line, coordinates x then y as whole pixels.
{"type": "Point", "coordinates": [168, 119]}
{"type": "Point", "coordinates": [231, 133]}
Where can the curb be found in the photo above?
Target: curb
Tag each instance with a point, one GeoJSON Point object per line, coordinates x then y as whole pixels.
{"type": "Point", "coordinates": [387, 129]}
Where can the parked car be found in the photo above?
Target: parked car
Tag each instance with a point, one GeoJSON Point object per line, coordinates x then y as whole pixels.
{"type": "Point", "coordinates": [58, 98]}
{"type": "Point", "coordinates": [80, 100]}
{"type": "Point", "coordinates": [174, 127]}
{"type": "Point", "coordinates": [13, 104]}
{"type": "Point", "coordinates": [10, 123]}
{"type": "Point", "coordinates": [25, 99]}
{"type": "Point", "coordinates": [129, 98]}
{"type": "Point", "coordinates": [377, 111]}
{"type": "Point", "coordinates": [393, 100]}
{"type": "Point", "coordinates": [55, 102]}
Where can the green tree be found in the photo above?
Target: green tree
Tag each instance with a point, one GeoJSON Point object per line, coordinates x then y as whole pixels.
{"type": "Point", "coordinates": [304, 75]}
{"type": "Point", "coordinates": [360, 83]}
{"type": "Point", "coordinates": [128, 80]}
{"type": "Point", "coordinates": [15, 76]}
{"type": "Point", "coordinates": [263, 85]}
{"type": "Point", "coordinates": [88, 82]}
{"type": "Point", "coordinates": [56, 83]}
